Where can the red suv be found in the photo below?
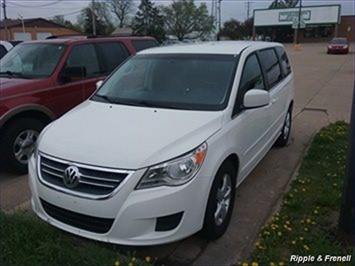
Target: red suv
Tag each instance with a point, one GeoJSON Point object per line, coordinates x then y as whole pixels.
{"type": "Point", "coordinates": [41, 80]}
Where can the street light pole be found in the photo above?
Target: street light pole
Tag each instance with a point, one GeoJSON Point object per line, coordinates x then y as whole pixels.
{"type": "Point", "coordinates": [23, 23]}
{"type": "Point", "coordinates": [5, 20]}
{"type": "Point", "coordinates": [93, 18]}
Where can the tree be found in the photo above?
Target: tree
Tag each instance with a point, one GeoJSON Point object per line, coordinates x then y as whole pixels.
{"type": "Point", "coordinates": [283, 4]}
{"type": "Point", "coordinates": [66, 23]}
{"type": "Point", "coordinates": [149, 21]}
{"type": "Point", "coordinates": [185, 20]}
{"type": "Point", "coordinates": [236, 30]}
{"type": "Point", "coordinates": [103, 22]}
{"type": "Point", "coordinates": [122, 9]}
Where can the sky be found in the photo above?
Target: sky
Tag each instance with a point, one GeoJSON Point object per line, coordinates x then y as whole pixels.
{"type": "Point", "coordinates": [71, 8]}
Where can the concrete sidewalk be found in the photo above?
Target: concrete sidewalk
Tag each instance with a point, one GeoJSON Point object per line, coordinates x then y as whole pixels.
{"type": "Point", "coordinates": [324, 87]}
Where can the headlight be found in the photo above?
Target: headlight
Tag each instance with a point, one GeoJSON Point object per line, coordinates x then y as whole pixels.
{"type": "Point", "coordinates": [330, 47]}
{"type": "Point", "coordinates": [345, 46]}
{"type": "Point", "coordinates": [175, 172]}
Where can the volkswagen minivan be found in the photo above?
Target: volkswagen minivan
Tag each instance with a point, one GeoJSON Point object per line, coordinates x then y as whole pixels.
{"type": "Point", "coordinates": [156, 153]}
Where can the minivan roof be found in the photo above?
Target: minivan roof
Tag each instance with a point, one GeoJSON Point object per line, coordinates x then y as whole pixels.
{"type": "Point", "coordinates": [219, 47]}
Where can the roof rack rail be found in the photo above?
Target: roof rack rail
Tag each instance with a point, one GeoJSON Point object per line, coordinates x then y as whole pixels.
{"type": "Point", "coordinates": [66, 36]}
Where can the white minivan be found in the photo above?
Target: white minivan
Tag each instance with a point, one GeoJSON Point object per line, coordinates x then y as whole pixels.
{"type": "Point", "coordinates": [157, 152]}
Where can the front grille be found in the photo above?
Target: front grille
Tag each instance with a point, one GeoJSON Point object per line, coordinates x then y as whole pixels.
{"type": "Point", "coordinates": [93, 181]}
{"type": "Point", "coordinates": [82, 221]}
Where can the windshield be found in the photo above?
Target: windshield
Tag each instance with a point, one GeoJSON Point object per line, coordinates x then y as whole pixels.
{"type": "Point", "coordinates": [31, 60]}
{"type": "Point", "coordinates": [339, 41]}
{"type": "Point", "coordinates": [183, 81]}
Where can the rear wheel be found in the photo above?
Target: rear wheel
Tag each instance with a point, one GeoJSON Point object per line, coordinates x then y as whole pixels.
{"type": "Point", "coordinates": [220, 202]}
{"type": "Point", "coordinates": [286, 130]}
{"type": "Point", "coordinates": [18, 142]}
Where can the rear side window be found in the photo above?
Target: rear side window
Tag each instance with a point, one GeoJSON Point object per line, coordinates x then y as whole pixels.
{"type": "Point", "coordinates": [140, 45]}
{"type": "Point", "coordinates": [3, 51]}
{"type": "Point", "coordinates": [112, 54]}
{"type": "Point", "coordinates": [285, 63]}
{"type": "Point", "coordinates": [271, 65]}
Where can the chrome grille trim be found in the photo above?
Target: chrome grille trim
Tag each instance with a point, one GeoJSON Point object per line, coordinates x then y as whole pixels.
{"type": "Point", "coordinates": [92, 182]}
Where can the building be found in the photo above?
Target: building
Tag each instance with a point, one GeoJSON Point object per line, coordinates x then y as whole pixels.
{"type": "Point", "coordinates": [317, 24]}
{"type": "Point", "coordinates": [32, 29]}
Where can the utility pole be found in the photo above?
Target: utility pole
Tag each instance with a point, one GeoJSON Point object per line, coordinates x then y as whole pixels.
{"type": "Point", "coordinates": [347, 212]}
{"type": "Point", "coordinates": [248, 7]}
{"type": "Point", "coordinates": [5, 20]}
{"type": "Point", "coordinates": [93, 18]}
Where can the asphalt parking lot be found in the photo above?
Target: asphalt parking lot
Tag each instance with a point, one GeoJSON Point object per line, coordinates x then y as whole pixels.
{"type": "Point", "coordinates": [324, 86]}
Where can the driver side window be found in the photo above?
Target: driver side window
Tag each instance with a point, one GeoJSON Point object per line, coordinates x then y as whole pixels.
{"type": "Point", "coordinates": [252, 78]}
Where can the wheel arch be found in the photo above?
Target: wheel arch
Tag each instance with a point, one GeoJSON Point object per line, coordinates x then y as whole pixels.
{"type": "Point", "coordinates": [30, 110]}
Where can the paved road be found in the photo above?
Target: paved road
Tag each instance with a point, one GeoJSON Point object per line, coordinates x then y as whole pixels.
{"type": "Point", "coordinates": [324, 87]}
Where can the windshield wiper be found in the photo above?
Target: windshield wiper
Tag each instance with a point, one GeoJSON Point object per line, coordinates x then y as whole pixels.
{"type": "Point", "coordinates": [15, 74]}
{"type": "Point", "coordinates": [104, 97]}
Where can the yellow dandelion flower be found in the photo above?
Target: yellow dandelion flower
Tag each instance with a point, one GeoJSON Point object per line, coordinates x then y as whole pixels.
{"type": "Point", "coordinates": [117, 263]}
{"type": "Point", "coordinates": [279, 233]}
{"type": "Point", "coordinates": [254, 263]}
{"type": "Point", "coordinates": [133, 259]}
{"type": "Point", "coordinates": [281, 263]}
{"type": "Point", "coordinates": [315, 212]}
{"type": "Point", "coordinates": [303, 189]}
{"type": "Point", "coordinates": [245, 264]}
{"type": "Point", "coordinates": [314, 223]}
{"type": "Point", "coordinates": [301, 238]}
{"type": "Point", "coordinates": [257, 243]}
{"type": "Point", "coordinates": [293, 242]}
{"type": "Point", "coordinates": [147, 259]}
{"type": "Point", "coordinates": [308, 221]}
{"type": "Point", "coordinates": [306, 229]}
{"type": "Point", "coordinates": [289, 229]}
{"type": "Point", "coordinates": [272, 264]}
{"type": "Point", "coordinates": [288, 222]}
{"type": "Point", "coordinates": [130, 264]}
{"type": "Point", "coordinates": [277, 218]}
{"type": "Point", "coordinates": [306, 247]}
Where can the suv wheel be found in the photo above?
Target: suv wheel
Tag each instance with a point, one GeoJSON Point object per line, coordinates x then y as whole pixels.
{"type": "Point", "coordinates": [286, 130]}
{"type": "Point", "coordinates": [18, 142]}
{"type": "Point", "coordinates": [220, 202]}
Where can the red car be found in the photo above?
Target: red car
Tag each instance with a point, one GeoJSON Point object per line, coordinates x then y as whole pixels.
{"type": "Point", "coordinates": [42, 80]}
{"type": "Point", "coordinates": [338, 46]}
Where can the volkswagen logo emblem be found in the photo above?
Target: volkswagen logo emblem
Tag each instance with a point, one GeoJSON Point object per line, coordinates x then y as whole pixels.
{"type": "Point", "coordinates": [71, 176]}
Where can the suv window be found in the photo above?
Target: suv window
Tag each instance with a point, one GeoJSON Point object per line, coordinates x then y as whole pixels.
{"type": "Point", "coordinates": [285, 63]}
{"type": "Point", "coordinates": [140, 45]}
{"type": "Point", "coordinates": [84, 55]}
{"type": "Point", "coordinates": [113, 54]}
{"type": "Point", "coordinates": [271, 65]}
{"type": "Point", "coordinates": [252, 78]}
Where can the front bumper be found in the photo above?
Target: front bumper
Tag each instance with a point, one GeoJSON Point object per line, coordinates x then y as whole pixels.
{"type": "Point", "coordinates": [134, 213]}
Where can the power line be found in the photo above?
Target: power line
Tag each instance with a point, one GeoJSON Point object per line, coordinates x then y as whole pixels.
{"type": "Point", "coordinates": [49, 4]}
{"type": "Point", "coordinates": [67, 14]}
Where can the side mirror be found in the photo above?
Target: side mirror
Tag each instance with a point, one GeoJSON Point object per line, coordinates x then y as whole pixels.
{"type": "Point", "coordinates": [74, 72]}
{"type": "Point", "coordinates": [256, 98]}
{"type": "Point", "coordinates": [99, 83]}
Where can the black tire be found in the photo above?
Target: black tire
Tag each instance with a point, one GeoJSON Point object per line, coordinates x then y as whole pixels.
{"type": "Point", "coordinates": [19, 138]}
{"type": "Point", "coordinates": [286, 130]}
{"type": "Point", "coordinates": [213, 226]}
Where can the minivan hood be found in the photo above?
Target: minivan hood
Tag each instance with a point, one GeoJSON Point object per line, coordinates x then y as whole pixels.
{"type": "Point", "coordinates": [127, 137]}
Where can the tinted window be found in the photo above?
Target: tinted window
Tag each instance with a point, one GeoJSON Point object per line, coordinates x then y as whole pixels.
{"type": "Point", "coordinates": [113, 54]}
{"type": "Point", "coordinates": [339, 41]}
{"type": "Point", "coordinates": [140, 45]}
{"type": "Point", "coordinates": [271, 64]}
{"type": "Point", "coordinates": [285, 63]}
{"type": "Point", "coordinates": [191, 82]}
{"type": "Point", "coordinates": [3, 51]}
{"type": "Point", "coordinates": [251, 79]}
{"type": "Point", "coordinates": [84, 56]}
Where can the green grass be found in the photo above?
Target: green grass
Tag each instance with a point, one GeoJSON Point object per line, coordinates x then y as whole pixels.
{"type": "Point", "coordinates": [308, 219]}
{"type": "Point", "coordinates": [26, 240]}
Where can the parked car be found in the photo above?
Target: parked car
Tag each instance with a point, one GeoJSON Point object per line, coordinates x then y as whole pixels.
{"type": "Point", "coordinates": [156, 153]}
{"type": "Point", "coordinates": [4, 48]}
{"type": "Point", "coordinates": [338, 46]}
{"type": "Point", "coordinates": [41, 80]}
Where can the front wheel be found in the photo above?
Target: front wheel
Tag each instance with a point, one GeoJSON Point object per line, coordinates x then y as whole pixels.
{"type": "Point", "coordinates": [220, 202]}
{"type": "Point", "coordinates": [286, 130]}
{"type": "Point", "coordinates": [18, 142]}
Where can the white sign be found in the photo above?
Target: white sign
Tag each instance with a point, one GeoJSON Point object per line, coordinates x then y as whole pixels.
{"type": "Point", "coordinates": [329, 14]}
